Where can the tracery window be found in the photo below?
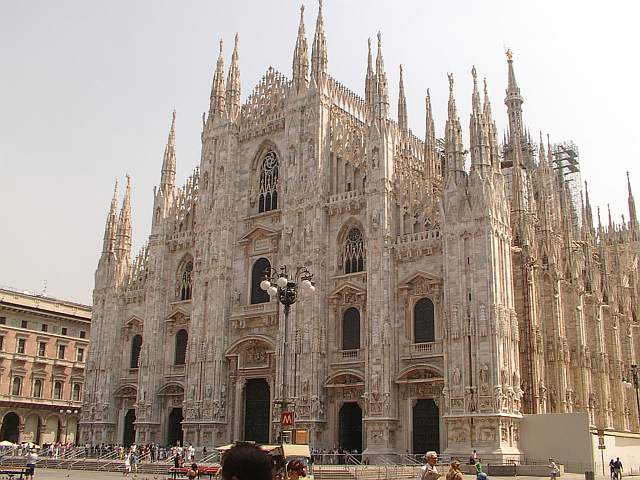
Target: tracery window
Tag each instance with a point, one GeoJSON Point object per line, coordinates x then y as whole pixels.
{"type": "Point", "coordinates": [136, 345]}
{"type": "Point", "coordinates": [181, 347]}
{"type": "Point", "coordinates": [268, 183]}
{"type": "Point", "coordinates": [351, 329]}
{"type": "Point", "coordinates": [423, 321]}
{"type": "Point", "coordinates": [354, 253]}
{"type": "Point", "coordinates": [184, 281]}
{"type": "Point", "coordinates": [258, 270]}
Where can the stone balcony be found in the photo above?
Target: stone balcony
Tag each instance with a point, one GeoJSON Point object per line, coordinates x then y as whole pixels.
{"type": "Point", "coordinates": [422, 350]}
{"type": "Point", "coordinates": [341, 357]}
{"type": "Point", "coordinates": [414, 245]}
{"type": "Point", "coordinates": [350, 202]}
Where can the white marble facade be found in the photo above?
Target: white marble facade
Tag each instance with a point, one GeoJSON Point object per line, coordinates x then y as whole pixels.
{"type": "Point", "coordinates": [449, 301]}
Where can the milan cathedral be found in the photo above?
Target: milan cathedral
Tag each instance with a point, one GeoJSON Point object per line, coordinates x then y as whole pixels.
{"type": "Point", "coordinates": [450, 299]}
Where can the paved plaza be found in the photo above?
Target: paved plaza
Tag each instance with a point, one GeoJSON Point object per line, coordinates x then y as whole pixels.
{"type": "Point", "coordinates": [52, 474]}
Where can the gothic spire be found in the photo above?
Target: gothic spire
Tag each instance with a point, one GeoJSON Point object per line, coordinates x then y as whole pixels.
{"type": "Point", "coordinates": [123, 240]}
{"type": "Point", "coordinates": [478, 131]}
{"type": "Point", "coordinates": [168, 176]}
{"type": "Point", "coordinates": [301, 56]}
{"type": "Point", "coordinates": [430, 139]}
{"type": "Point", "coordinates": [233, 84]}
{"type": "Point", "coordinates": [513, 101]}
{"type": "Point", "coordinates": [216, 108]}
{"type": "Point", "coordinates": [587, 207]}
{"type": "Point", "coordinates": [633, 216]}
{"type": "Point", "coordinates": [382, 88]}
{"type": "Point", "coordinates": [453, 139]}
{"type": "Point", "coordinates": [109, 240]}
{"type": "Point", "coordinates": [402, 106]}
{"type": "Point", "coordinates": [319, 50]}
{"type": "Point", "coordinates": [370, 80]}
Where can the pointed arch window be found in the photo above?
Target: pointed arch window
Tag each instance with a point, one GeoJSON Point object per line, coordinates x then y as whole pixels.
{"type": "Point", "coordinates": [181, 347]}
{"type": "Point", "coordinates": [136, 345]}
{"type": "Point", "coordinates": [354, 252]}
{"type": "Point", "coordinates": [258, 270]}
{"type": "Point", "coordinates": [268, 183]}
{"type": "Point", "coordinates": [185, 280]}
{"type": "Point", "coordinates": [423, 321]}
{"type": "Point", "coordinates": [351, 329]}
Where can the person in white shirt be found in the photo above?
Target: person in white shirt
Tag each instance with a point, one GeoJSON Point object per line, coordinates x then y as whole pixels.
{"type": "Point", "coordinates": [429, 471]}
{"type": "Point", "coordinates": [32, 458]}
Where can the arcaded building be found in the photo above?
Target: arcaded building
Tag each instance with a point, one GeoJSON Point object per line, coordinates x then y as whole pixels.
{"type": "Point", "coordinates": [457, 287]}
{"type": "Point", "coordinates": [44, 343]}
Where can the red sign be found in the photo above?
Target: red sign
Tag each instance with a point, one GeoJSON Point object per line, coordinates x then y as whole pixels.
{"type": "Point", "coordinates": [286, 420]}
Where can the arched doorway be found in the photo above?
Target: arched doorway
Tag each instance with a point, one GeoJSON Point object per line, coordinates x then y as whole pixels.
{"type": "Point", "coordinates": [129, 435]}
{"type": "Point", "coordinates": [257, 407]}
{"type": "Point", "coordinates": [350, 427]}
{"type": "Point", "coordinates": [174, 429]}
{"type": "Point", "coordinates": [426, 426]}
{"type": "Point", "coordinates": [9, 429]}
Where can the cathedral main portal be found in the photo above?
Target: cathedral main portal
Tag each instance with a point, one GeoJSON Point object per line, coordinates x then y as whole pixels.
{"type": "Point", "coordinates": [350, 429]}
{"type": "Point", "coordinates": [426, 426]}
{"type": "Point", "coordinates": [256, 410]}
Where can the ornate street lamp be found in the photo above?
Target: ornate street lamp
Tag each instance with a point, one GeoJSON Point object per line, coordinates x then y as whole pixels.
{"type": "Point", "coordinates": [286, 289]}
{"type": "Point", "coordinates": [68, 412]}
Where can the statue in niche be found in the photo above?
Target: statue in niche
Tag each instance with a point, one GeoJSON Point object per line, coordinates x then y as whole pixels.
{"type": "Point", "coordinates": [484, 378]}
{"type": "Point", "coordinates": [456, 377]}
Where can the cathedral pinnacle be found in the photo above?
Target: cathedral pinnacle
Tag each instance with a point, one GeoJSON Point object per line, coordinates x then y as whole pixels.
{"type": "Point", "coordinates": [402, 106]}
{"type": "Point", "coordinates": [216, 108]}
{"type": "Point", "coordinates": [319, 50]}
{"type": "Point", "coordinates": [369, 81]}
{"type": "Point", "coordinates": [453, 138]}
{"type": "Point", "coordinates": [301, 56]}
{"type": "Point", "coordinates": [111, 224]}
{"type": "Point", "coordinates": [168, 174]}
{"type": "Point", "coordinates": [478, 131]}
{"type": "Point", "coordinates": [633, 216]}
{"type": "Point", "coordinates": [123, 238]}
{"type": "Point", "coordinates": [475, 97]}
{"type": "Point", "coordinates": [513, 101]}
{"type": "Point", "coordinates": [430, 139]}
{"type": "Point", "coordinates": [382, 88]}
{"type": "Point", "coordinates": [232, 96]}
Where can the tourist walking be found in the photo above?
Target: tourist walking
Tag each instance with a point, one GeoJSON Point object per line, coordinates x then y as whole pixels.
{"type": "Point", "coordinates": [127, 464]}
{"type": "Point", "coordinates": [554, 470]}
{"type": "Point", "coordinates": [32, 458]}
{"type": "Point", "coordinates": [246, 462]}
{"type": "Point", "coordinates": [429, 471]}
{"type": "Point", "coordinates": [454, 471]}
{"type": "Point", "coordinates": [617, 469]}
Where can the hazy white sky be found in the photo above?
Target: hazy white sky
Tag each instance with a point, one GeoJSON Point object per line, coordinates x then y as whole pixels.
{"type": "Point", "coordinates": [87, 89]}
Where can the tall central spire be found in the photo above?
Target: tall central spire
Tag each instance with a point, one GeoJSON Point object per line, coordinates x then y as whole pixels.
{"type": "Point", "coordinates": [301, 56]}
{"type": "Point", "coordinates": [233, 84]}
{"type": "Point", "coordinates": [319, 50]}
{"type": "Point", "coordinates": [402, 107]}
{"type": "Point", "coordinates": [216, 108]}
{"type": "Point", "coordinates": [513, 101]}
